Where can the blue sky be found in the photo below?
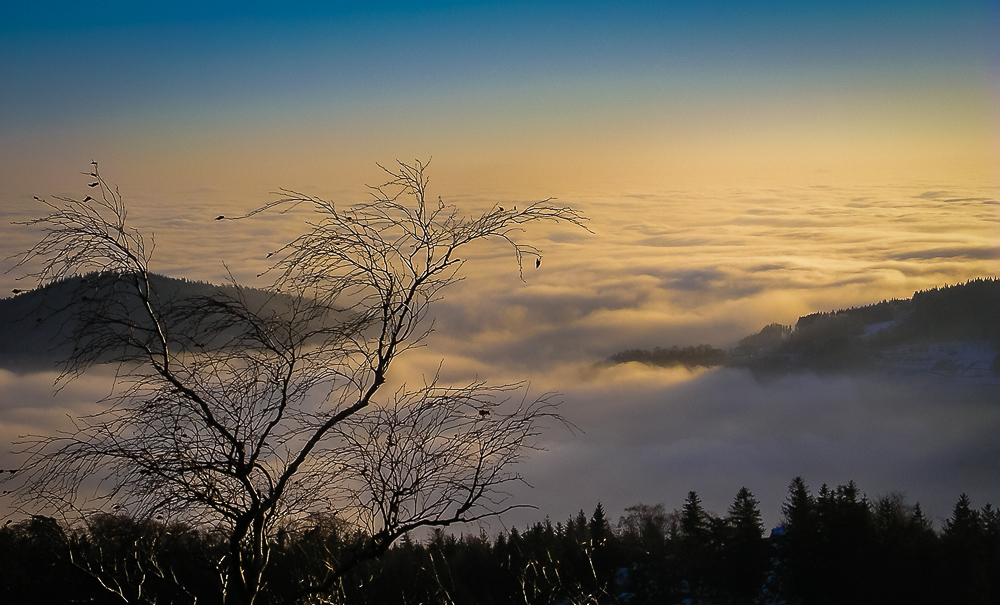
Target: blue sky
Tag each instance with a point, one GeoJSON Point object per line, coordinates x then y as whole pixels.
{"type": "Point", "coordinates": [78, 61]}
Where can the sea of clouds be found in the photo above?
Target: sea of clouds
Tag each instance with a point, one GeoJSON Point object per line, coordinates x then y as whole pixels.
{"type": "Point", "coordinates": [659, 269]}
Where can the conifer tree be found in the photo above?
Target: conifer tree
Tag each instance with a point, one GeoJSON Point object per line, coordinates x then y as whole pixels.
{"type": "Point", "coordinates": [966, 560]}
{"type": "Point", "coordinates": [798, 568]}
{"type": "Point", "coordinates": [745, 560]}
{"type": "Point", "coordinates": [695, 548]}
{"type": "Point", "coordinates": [600, 529]}
{"type": "Point", "coordinates": [694, 519]}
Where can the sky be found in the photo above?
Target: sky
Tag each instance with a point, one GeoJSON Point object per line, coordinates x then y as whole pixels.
{"type": "Point", "coordinates": [740, 163]}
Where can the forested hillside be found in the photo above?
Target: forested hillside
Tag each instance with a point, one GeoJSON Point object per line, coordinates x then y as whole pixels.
{"type": "Point", "coordinates": [953, 330]}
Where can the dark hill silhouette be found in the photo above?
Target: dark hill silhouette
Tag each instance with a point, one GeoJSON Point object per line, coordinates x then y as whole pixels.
{"type": "Point", "coordinates": [36, 325]}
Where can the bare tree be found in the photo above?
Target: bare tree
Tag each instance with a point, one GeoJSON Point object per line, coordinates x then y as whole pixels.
{"type": "Point", "coordinates": [243, 409]}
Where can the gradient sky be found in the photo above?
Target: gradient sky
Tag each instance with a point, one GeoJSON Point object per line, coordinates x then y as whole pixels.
{"type": "Point", "coordinates": [505, 95]}
{"type": "Point", "coordinates": [741, 163]}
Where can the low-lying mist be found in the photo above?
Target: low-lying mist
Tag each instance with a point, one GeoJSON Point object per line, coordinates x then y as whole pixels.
{"type": "Point", "coordinates": [650, 435]}
{"type": "Point", "coordinates": [718, 430]}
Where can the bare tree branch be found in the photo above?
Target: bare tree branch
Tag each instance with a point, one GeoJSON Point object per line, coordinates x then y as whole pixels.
{"type": "Point", "coordinates": [245, 409]}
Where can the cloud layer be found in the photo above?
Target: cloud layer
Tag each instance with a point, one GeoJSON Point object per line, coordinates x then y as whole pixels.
{"type": "Point", "coordinates": [663, 269]}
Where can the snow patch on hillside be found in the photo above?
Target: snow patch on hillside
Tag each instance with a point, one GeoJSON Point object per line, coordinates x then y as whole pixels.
{"type": "Point", "coordinates": [873, 329]}
{"type": "Point", "coordinates": [964, 361]}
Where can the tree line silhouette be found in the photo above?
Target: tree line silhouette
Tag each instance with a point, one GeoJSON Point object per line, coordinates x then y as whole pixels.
{"type": "Point", "coordinates": [834, 546]}
{"type": "Point", "coordinates": [695, 356]}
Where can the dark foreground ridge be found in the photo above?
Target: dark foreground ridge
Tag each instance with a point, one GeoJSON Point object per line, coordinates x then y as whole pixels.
{"type": "Point", "coordinates": [950, 331]}
{"type": "Point", "coordinates": [834, 546]}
